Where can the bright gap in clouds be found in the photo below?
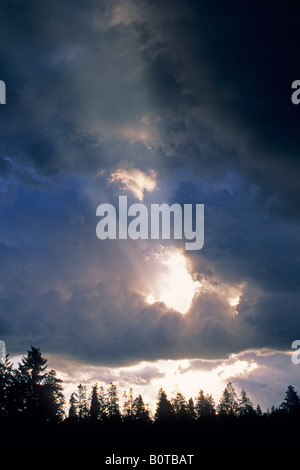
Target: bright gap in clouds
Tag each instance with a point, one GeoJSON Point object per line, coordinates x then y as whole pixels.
{"type": "Point", "coordinates": [187, 376]}
{"type": "Point", "coordinates": [234, 301]}
{"type": "Point", "coordinates": [174, 286]}
{"type": "Point", "coordinates": [135, 181]}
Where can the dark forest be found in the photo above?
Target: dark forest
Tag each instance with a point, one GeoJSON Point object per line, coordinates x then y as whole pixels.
{"type": "Point", "coordinates": [35, 416]}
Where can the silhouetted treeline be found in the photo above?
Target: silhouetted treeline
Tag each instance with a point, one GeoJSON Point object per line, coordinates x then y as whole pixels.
{"type": "Point", "coordinates": [34, 415]}
{"type": "Point", "coordinates": [30, 391]}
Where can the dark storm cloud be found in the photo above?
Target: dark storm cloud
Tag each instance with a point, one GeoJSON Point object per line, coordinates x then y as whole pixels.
{"type": "Point", "coordinates": [74, 295]}
{"type": "Point", "coordinates": [72, 84]}
{"type": "Point", "coordinates": [198, 91]}
{"type": "Point", "coordinates": [223, 85]}
{"type": "Point", "coordinates": [246, 239]}
{"type": "Point", "coordinates": [214, 88]}
{"type": "Point", "coordinates": [248, 243]}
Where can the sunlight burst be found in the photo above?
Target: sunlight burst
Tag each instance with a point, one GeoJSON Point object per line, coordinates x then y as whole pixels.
{"type": "Point", "coordinates": [234, 301]}
{"type": "Point", "coordinates": [175, 286]}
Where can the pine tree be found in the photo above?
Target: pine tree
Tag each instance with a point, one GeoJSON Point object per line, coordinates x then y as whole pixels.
{"type": "Point", "coordinates": [179, 405]}
{"type": "Point", "coordinates": [37, 393]}
{"type": "Point", "coordinates": [33, 366]}
{"type": "Point", "coordinates": [140, 413]}
{"type": "Point", "coordinates": [274, 410]}
{"type": "Point", "coordinates": [228, 404]}
{"type": "Point", "coordinates": [205, 405]}
{"type": "Point", "coordinates": [73, 411]}
{"type": "Point", "coordinates": [82, 402]}
{"type": "Point", "coordinates": [52, 397]}
{"type": "Point", "coordinates": [95, 404]}
{"type": "Point", "coordinates": [291, 401]}
{"type": "Point", "coordinates": [128, 405]}
{"type": "Point", "coordinates": [103, 412]}
{"type": "Point", "coordinates": [191, 408]}
{"type": "Point", "coordinates": [164, 409]}
{"type": "Point", "coordinates": [6, 384]}
{"type": "Point", "coordinates": [258, 411]}
{"type": "Point", "coordinates": [113, 402]}
{"type": "Point", "coordinates": [245, 405]}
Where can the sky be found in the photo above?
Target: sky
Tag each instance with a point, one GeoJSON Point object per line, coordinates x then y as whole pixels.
{"type": "Point", "coordinates": [162, 102]}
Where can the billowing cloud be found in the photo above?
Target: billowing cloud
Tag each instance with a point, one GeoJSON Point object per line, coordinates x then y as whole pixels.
{"type": "Point", "coordinates": [134, 181]}
{"type": "Point", "coordinates": [76, 295]}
